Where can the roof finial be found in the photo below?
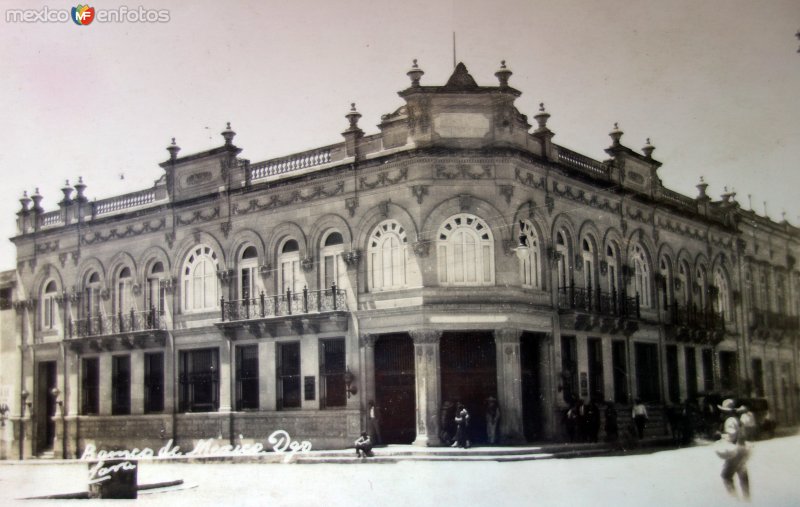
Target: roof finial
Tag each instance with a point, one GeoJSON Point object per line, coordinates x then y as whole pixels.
{"type": "Point", "coordinates": [228, 135]}
{"type": "Point", "coordinates": [353, 116]}
{"type": "Point", "coordinates": [615, 135]}
{"type": "Point", "coordinates": [503, 74]}
{"type": "Point", "coordinates": [415, 74]}
{"type": "Point", "coordinates": [173, 150]}
{"type": "Point", "coordinates": [648, 149]}
{"type": "Point", "coordinates": [541, 118]}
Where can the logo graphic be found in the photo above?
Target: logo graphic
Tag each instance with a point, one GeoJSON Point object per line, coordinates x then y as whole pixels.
{"type": "Point", "coordinates": [82, 14]}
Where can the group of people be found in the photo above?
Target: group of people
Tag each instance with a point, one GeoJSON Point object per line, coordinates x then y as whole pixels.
{"type": "Point", "coordinates": [455, 428]}
{"type": "Point", "coordinates": [582, 421]}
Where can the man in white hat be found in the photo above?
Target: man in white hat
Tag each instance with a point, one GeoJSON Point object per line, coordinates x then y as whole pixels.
{"type": "Point", "coordinates": [732, 449]}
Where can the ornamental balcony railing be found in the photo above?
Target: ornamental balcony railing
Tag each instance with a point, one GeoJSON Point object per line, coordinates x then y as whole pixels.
{"type": "Point", "coordinates": [582, 163]}
{"type": "Point", "coordinates": [120, 202]}
{"type": "Point", "coordinates": [290, 163]}
{"type": "Point", "coordinates": [774, 320]}
{"type": "Point", "coordinates": [598, 302]}
{"type": "Point", "coordinates": [130, 322]}
{"type": "Point", "coordinates": [696, 318]}
{"type": "Point", "coordinates": [282, 305]}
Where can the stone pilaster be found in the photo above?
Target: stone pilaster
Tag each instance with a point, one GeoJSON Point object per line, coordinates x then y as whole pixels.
{"type": "Point", "coordinates": [428, 385]}
{"type": "Point", "coordinates": [367, 344]}
{"type": "Point", "coordinates": [509, 385]}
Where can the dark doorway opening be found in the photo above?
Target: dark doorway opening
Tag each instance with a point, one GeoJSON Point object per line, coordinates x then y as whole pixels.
{"type": "Point", "coordinates": [469, 375]}
{"type": "Point", "coordinates": [394, 388]}
{"type": "Point", "coordinates": [533, 367]}
{"type": "Point", "coordinates": [46, 406]}
{"type": "Point", "coordinates": [647, 371]}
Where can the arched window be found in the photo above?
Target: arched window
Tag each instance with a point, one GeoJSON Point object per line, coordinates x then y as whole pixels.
{"type": "Point", "coordinates": [332, 267]}
{"type": "Point", "coordinates": [666, 281]}
{"type": "Point", "coordinates": [249, 283]}
{"type": "Point", "coordinates": [465, 251]}
{"type": "Point", "coordinates": [641, 276]}
{"type": "Point", "coordinates": [612, 271]}
{"type": "Point", "coordinates": [91, 299]}
{"type": "Point", "coordinates": [562, 251]}
{"type": "Point", "coordinates": [531, 265]}
{"type": "Point", "coordinates": [722, 302]}
{"type": "Point", "coordinates": [683, 277]}
{"type": "Point", "coordinates": [200, 285]}
{"type": "Point", "coordinates": [702, 286]}
{"type": "Point", "coordinates": [388, 256]}
{"type": "Point", "coordinates": [154, 293]}
{"type": "Point", "coordinates": [122, 291]}
{"type": "Point", "coordinates": [49, 306]}
{"type": "Point", "coordinates": [289, 261]}
{"type": "Point", "coordinates": [589, 268]}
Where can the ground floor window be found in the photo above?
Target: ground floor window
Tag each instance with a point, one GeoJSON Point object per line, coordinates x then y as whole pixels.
{"type": "Point", "coordinates": [647, 371]}
{"type": "Point", "coordinates": [728, 378]}
{"type": "Point", "coordinates": [332, 367]}
{"type": "Point", "coordinates": [673, 379]}
{"type": "Point", "coordinates": [90, 386]}
{"type": "Point", "coordinates": [120, 385]}
{"type": "Point", "coordinates": [569, 369]}
{"type": "Point", "coordinates": [620, 365]}
{"type": "Point", "coordinates": [708, 370]}
{"type": "Point", "coordinates": [199, 380]}
{"type": "Point", "coordinates": [247, 377]}
{"type": "Point", "coordinates": [153, 382]}
{"type": "Point", "coordinates": [691, 372]}
{"type": "Point", "coordinates": [758, 377]}
{"type": "Point", "coordinates": [595, 359]}
{"type": "Point", "coordinates": [289, 389]}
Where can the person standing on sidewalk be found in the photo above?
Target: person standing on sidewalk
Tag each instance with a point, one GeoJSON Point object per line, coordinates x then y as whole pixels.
{"type": "Point", "coordinates": [374, 423]}
{"type": "Point", "coordinates": [732, 448]}
{"type": "Point", "coordinates": [639, 415]}
{"type": "Point", "coordinates": [462, 423]}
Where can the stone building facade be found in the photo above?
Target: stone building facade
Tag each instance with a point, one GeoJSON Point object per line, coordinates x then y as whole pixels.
{"type": "Point", "coordinates": [456, 255]}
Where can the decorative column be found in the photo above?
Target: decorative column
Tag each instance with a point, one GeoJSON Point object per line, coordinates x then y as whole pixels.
{"type": "Point", "coordinates": [366, 343]}
{"type": "Point", "coordinates": [509, 385]}
{"type": "Point", "coordinates": [428, 385]}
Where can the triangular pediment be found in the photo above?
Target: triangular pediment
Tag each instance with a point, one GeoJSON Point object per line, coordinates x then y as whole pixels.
{"type": "Point", "coordinates": [461, 80]}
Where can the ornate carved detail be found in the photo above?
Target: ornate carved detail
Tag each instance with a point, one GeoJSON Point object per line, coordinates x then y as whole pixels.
{"type": "Point", "coordinates": [635, 177]}
{"type": "Point", "coordinates": [91, 238]}
{"type": "Point", "coordinates": [105, 294]}
{"type": "Point", "coordinates": [421, 248]}
{"type": "Point", "coordinates": [507, 335]}
{"type": "Point", "coordinates": [198, 178]}
{"type": "Point", "coordinates": [32, 263]}
{"type": "Point", "coordinates": [425, 336]}
{"type": "Point", "coordinates": [197, 216]}
{"type": "Point", "coordinates": [383, 179]}
{"type": "Point", "coordinates": [265, 270]}
{"type": "Point", "coordinates": [578, 262]}
{"type": "Point", "coordinates": [465, 202]}
{"type": "Point", "coordinates": [167, 284]}
{"type": "Point", "coordinates": [351, 203]}
{"type": "Point", "coordinates": [226, 275]}
{"type": "Point", "coordinates": [307, 264]}
{"type": "Point", "coordinates": [294, 197]}
{"type": "Point", "coordinates": [586, 198]}
{"type": "Point", "coordinates": [62, 258]}
{"type": "Point", "coordinates": [550, 203]}
{"type": "Point", "coordinates": [603, 268]}
{"type": "Point", "coordinates": [169, 237]}
{"type": "Point", "coordinates": [226, 228]}
{"type": "Point", "coordinates": [44, 248]}
{"type": "Point", "coordinates": [509, 245]}
{"type": "Point", "coordinates": [623, 225]}
{"type": "Point", "coordinates": [506, 191]}
{"type": "Point", "coordinates": [136, 289]}
{"type": "Point", "coordinates": [419, 191]}
{"type": "Point", "coordinates": [462, 171]}
{"type": "Point", "coordinates": [367, 340]}
{"type": "Point", "coordinates": [351, 258]}
{"type": "Point", "coordinates": [383, 207]}
{"type": "Point", "coordinates": [656, 234]}
{"type": "Point", "coordinates": [528, 180]}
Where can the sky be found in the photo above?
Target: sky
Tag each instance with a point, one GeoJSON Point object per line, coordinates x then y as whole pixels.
{"type": "Point", "coordinates": [713, 84]}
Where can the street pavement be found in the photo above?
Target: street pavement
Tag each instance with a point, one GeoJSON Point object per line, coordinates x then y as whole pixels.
{"type": "Point", "coordinates": [678, 477]}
